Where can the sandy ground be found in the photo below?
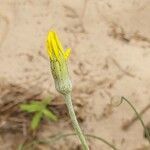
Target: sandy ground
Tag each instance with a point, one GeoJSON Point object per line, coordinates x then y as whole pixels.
{"type": "Point", "coordinates": [110, 41]}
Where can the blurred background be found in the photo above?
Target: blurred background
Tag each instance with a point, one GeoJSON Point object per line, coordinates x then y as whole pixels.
{"type": "Point", "coordinates": [110, 57]}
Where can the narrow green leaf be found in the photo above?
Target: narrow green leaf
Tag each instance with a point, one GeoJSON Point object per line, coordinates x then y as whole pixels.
{"type": "Point", "coordinates": [36, 120]}
{"type": "Point", "coordinates": [49, 115]}
{"type": "Point", "coordinates": [31, 107]}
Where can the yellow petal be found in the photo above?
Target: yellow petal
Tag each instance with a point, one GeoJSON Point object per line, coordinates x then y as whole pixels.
{"type": "Point", "coordinates": [58, 42]}
{"type": "Point", "coordinates": [67, 53]}
{"type": "Point", "coordinates": [55, 49]}
{"type": "Point", "coordinates": [49, 46]}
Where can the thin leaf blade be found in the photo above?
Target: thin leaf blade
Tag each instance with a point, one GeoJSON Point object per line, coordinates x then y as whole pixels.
{"type": "Point", "coordinates": [36, 120]}
{"type": "Point", "coordinates": [31, 107]}
{"type": "Point", "coordinates": [49, 115]}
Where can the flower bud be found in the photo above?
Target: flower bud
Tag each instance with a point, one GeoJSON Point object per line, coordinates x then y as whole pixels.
{"type": "Point", "coordinates": [58, 62]}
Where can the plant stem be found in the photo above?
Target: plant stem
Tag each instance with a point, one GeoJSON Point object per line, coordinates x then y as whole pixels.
{"type": "Point", "coordinates": [135, 118]}
{"type": "Point", "coordinates": [59, 136]}
{"type": "Point", "coordinates": [139, 117]}
{"type": "Point", "coordinates": [75, 122]}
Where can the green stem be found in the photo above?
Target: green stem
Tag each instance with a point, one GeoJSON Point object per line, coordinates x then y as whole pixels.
{"type": "Point", "coordinates": [59, 136]}
{"type": "Point", "coordinates": [139, 117]}
{"type": "Point", "coordinates": [101, 139]}
{"type": "Point", "coordinates": [75, 122]}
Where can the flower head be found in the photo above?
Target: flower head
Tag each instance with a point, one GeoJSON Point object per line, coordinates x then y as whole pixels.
{"type": "Point", "coordinates": [58, 61]}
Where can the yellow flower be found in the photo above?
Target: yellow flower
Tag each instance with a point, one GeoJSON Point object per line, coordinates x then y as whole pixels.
{"type": "Point", "coordinates": [58, 62]}
{"type": "Point", "coordinates": [55, 49]}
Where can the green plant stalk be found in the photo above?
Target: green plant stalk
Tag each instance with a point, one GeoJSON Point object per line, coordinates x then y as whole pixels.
{"type": "Point", "coordinates": [139, 117]}
{"type": "Point", "coordinates": [60, 136]}
{"type": "Point", "coordinates": [58, 63]}
{"type": "Point", "coordinates": [75, 122]}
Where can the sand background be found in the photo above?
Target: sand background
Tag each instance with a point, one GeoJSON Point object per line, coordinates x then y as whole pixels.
{"type": "Point", "coordinates": [110, 42]}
